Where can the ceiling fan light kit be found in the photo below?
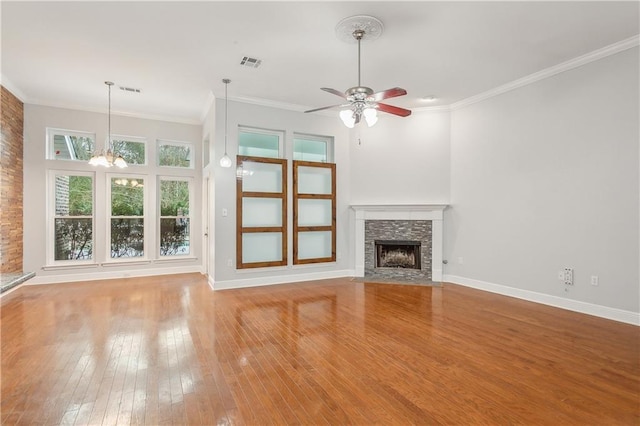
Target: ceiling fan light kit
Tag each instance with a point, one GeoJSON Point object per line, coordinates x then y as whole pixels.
{"type": "Point", "coordinates": [362, 101]}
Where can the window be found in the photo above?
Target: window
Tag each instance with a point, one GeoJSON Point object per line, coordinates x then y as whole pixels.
{"type": "Point", "coordinates": [261, 208]}
{"type": "Point", "coordinates": [314, 212]}
{"type": "Point", "coordinates": [175, 219]}
{"type": "Point", "coordinates": [73, 216]}
{"type": "Point", "coordinates": [175, 154]}
{"type": "Point", "coordinates": [131, 148]}
{"type": "Point", "coordinates": [126, 233]}
{"type": "Point", "coordinates": [312, 148]}
{"type": "Point", "coordinates": [260, 143]}
{"type": "Point", "coordinates": [70, 145]}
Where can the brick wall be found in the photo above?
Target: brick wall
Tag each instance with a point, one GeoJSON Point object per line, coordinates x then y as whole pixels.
{"type": "Point", "coordinates": [11, 182]}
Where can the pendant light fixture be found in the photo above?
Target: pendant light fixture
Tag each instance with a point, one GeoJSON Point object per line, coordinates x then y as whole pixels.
{"type": "Point", "coordinates": [108, 158]}
{"type": "Point", "coordinates": [225, 161]}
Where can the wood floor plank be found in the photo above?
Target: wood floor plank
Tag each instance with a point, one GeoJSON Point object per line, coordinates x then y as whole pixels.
{"type": "Point", "coordinates": [169, 350]}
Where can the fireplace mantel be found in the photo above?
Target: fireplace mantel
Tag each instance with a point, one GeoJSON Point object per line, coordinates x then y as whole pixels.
{"type": "Point", "coordinates": [432, 212]}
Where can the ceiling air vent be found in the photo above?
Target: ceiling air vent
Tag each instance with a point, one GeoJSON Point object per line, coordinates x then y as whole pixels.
{"type": "Point", "coordinates": [250, 62]}
{"type": "Point", "coordinates": [130, 89]}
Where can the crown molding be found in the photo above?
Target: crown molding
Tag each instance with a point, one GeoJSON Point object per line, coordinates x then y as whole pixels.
{"type": "Point", "coordinates": [166, 118]}
{"type": "Point", "coordinates": [7, 84]}
{"type": "Point", "coordinates": [211, 98]}
{"type": "Point", "coordinates": [612, 49]}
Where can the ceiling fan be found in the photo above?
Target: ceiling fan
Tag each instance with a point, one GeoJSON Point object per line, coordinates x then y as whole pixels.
{"type": "Point", "coordinates": [361, 100]}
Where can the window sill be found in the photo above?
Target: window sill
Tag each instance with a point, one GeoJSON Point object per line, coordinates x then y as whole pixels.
{"type": "Point", "coordinates": [69, 266]}
{"type": "Point", "coordinates": [173, 259]}
{"type": "Point", "coordinates": [125, 263]}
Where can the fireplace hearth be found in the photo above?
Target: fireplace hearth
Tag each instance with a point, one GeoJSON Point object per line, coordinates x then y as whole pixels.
{"type": "Point", "coordinates": [397, 254]}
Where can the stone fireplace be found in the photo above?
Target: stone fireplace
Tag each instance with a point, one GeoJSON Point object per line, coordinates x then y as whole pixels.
{"type": "Point", "coordinates": [399, 241]}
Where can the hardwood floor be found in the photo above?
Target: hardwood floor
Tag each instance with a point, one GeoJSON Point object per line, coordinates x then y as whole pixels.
{"type": "Point", "coordinates": [168, 350]}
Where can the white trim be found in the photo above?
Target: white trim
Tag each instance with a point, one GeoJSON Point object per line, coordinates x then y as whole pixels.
{"type": "Point", "coordinates": [104, 275]}
{"type": "Point", "coordinates": [281, 279]}
{"type": "Point", "coordinates": [615, 314]}
{"type": "Point", "coordinates": [211, 99]}
{"type": "Point", "coordinates": [432, 212]}
{"type": "Point", "coordinates": [551, 71]}
{"type": "Point", "coordinates": [15, 91]}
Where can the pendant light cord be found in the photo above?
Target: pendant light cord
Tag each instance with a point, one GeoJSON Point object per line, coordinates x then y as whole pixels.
{"type": "Point", "coordinates": [226, 107]}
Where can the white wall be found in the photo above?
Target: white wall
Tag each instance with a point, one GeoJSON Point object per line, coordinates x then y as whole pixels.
{"type": "Point", "coordinates": [401, 160]}
{"type": "Point", "coordinates": [36, 121]}
{"type": "Point", "coordinates": [546, 176]}
{"type": "Point", "coordinates": [225, 193]}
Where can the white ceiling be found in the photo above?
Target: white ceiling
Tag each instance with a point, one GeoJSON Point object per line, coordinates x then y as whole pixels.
{"type": "Point", "coordinates": [60, 53]}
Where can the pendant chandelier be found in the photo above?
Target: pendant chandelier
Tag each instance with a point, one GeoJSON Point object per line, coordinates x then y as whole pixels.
{"type": "Point", "coordinates": [108, 158]}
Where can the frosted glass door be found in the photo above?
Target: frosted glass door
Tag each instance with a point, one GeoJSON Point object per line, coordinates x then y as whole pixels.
{"type": "Point", "coordinates": [314, 212]}
{"type": "Point", "coordinates": [261, 203]}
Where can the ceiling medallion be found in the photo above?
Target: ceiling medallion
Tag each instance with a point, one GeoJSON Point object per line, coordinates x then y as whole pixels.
{"type": "Point", "coordinates": [371, 27]}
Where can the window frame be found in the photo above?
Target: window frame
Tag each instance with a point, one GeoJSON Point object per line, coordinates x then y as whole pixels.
{"type": "Point", "coordinates": [329, 142]}
{"type": "Point", "coordinates": [190, 181]}
{"type": "Point", "coordinates": [145, 217]}
{"type": "Point", "coordinates": [192, 153]}
{"type": "Point", "coordinates": [52, 216]}
{"type": "Point", "coordinates": [53, 131]}
{"type": "Point", "coordinates": [135, 139]}
{"type": "Point", "coordinates": [256, 130]}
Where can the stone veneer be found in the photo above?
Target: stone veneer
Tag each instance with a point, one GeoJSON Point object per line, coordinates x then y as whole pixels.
{"type": "Point", "coordinates": [414, 230]}
{"type": "Point", "coordinates": [11, 166]}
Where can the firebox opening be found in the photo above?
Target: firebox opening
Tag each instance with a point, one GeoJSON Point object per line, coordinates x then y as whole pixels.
{"type": "Point", "coordinates": [397, 254]}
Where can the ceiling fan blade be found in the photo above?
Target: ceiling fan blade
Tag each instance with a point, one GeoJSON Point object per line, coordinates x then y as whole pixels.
{"type": "Point", "coordinates": [334, 91]}
{"type": "Point", "coordinates": [327, 107]}
{"type": "Point", "coordinates": [394, 110]}
{"type": "Point", "coordinates": [386, 94]}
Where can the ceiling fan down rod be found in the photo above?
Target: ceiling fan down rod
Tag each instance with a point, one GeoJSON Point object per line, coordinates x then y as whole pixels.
{"type": "Point", "coordinates": [358, 34]}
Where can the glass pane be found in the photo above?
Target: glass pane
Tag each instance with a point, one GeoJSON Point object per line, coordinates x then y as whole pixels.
{"type": "Point", "coordinates": [74, 195]}
{"type": "Point", "coordinates": [174, 198]}
{"type": "Point", "coordinates": [127, 238]}
{"type": "Point", "coordinates": [73, 239]}
{"type": "Point", "coordinates": [261, 177]}
{"type": "Point", "coordinates": [127, 196]}
{"type": "Point", "coordinates": [314, 180]}
{"type": "Point", "coordinates": [314, 212]}
{"type": "Point", "coordinates": [309, 150]}
{"type": "Point", "coordinates": [132, 152]}
{"type": "Point", "coordinates": [312, 245]}
{"type": "Point", "coordinates": [261, 212]}
{"type": "Point", "coordinates": [174, 236]}
{"type": "Point", "coordinates": [68, 147]}
{"type": "Point", "coordinates": [258, 144]}
{"type": "Point", "coordinates": [174, 155]}
{"type": "Point", "coordinates": [261, 247]}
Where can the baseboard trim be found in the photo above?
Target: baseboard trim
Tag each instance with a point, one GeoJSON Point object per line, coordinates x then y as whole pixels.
{"type": "Point", "coordinates": [546, 299]}
{"type": "Point", "coordinates": [280, 279]}
{"type": "Point", "coordinates": [107, 275]}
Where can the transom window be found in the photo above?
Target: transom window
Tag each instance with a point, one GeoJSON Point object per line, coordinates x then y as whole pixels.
{"type": "Point", "coordinates": [70, 145]}
{"type": "Point", "coordinates": [264, 143]}
{"type": "Point", "coordinates": [312, 148]}
{"type": "Point", "coordinates": [175, 154]}
{"type": "Point", "coordinates": [132, 149]}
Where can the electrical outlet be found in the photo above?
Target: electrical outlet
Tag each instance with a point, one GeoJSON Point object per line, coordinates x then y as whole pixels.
{"type": "Point", "coordinates": [229, 262]}
{"type": "Point", "coordinates": [225, 212]}
{"type": "Point", "coordinates": [568, 276]}
{"type": "Point", "coordinates": [594, 280]}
